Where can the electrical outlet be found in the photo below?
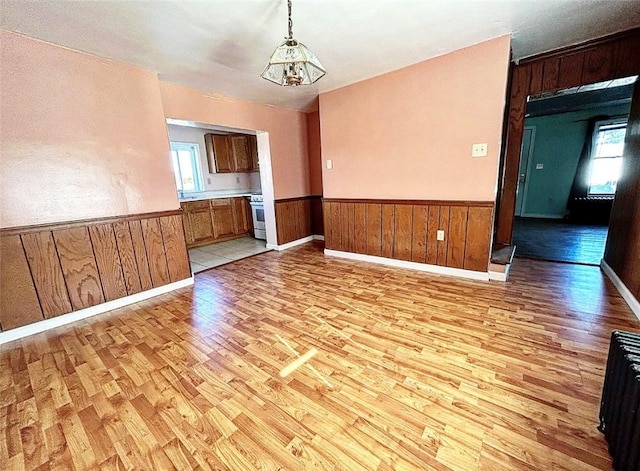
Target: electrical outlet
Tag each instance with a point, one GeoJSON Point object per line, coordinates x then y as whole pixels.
{"type": "Point", "coordinates": [440, 235]}
{"type": "Point", "coordinates": [479, 150]}
{"type": "Point", "coordinates": [237, 179]}
{"type": "Point", "coordinates": [208, 181]}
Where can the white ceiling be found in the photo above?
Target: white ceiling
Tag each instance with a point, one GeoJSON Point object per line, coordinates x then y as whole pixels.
{"type": "Point", "coordinates": [221, 46]}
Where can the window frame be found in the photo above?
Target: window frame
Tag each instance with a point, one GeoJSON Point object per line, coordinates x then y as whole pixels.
{"type": "Point", "coordinates": [194, 149]}
{"type": "Point", "coordinates": [621, 121]}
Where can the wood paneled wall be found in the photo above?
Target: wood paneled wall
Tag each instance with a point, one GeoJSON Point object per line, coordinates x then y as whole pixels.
{"type": "Point", "coordinates": [622, 252]}
{"type": "Point", "coordinates": [297, 218]}
{"type": "Point", "coordinates": [407, 230]}
{"type": "Point", "coordinates": [613, 57]}
{"type": "Point", "coordinates": [54, 269]}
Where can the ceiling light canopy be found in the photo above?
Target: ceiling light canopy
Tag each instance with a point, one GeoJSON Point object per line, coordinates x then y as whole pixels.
{"type": "Point", "coordinates": [292, 64]}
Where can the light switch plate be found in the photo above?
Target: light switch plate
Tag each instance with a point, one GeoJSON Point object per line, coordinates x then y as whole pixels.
{"type": "Point", "coordinates": [539, 166]}
{"type": "Point", "coordinates": [329, 164]}
{"type": "Point", "coordinates": [440, 235]}
{"type": "Point", "coordinates": [479, 150]}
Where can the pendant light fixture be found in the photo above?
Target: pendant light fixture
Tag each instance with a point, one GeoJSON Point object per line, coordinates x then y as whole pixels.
{"type": "Point", "coordinates": [292, 64]}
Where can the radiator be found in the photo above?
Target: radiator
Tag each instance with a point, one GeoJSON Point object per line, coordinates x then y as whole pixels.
{"type": "Point", "coordinates": [620, 405]}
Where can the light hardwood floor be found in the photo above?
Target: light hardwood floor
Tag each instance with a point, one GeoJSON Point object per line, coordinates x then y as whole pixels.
{"type": "Point", "coordinates": [412, 371]}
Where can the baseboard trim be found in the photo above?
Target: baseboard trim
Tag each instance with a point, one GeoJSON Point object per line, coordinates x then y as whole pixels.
{"type": "Point", "coordinates": [459, 272]}
{"type": "Point", "coordinates": [64, 319]}
{"type": "Point", "coordinates": [627, 295]}
{"type": "Point", "coordinates": [294, 243]}
{"type": "Point", "coordinates": [500, 276]}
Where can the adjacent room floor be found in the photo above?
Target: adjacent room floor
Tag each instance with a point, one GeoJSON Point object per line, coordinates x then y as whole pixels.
{"type": "Point", "coordinates": [213, 255]}
{"type": "Point", "coordinates": [403, 370]}
{"type": "Point", "coordinates": [557, 240]}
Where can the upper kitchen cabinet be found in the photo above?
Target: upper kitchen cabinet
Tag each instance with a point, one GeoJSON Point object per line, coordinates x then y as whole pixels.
{"type": "Point", "coordinates": [234, 153]}
{"type": "Point", "coordinates": [219, 155]}
{"type": "Point", "coordinates": [240, 150]}
{"type": "Point", "coordinates": [253, 152]}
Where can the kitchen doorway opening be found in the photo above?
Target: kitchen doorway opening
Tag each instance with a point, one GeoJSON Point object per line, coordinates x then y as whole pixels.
{"type": "Point", "coordinates": [570, 162]}
{"type": "Point", "coordinates": [225, 190]}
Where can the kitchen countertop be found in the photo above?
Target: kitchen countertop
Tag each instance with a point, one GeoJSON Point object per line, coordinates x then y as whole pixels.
{"type": "Point", "coordinates": [211, 195]}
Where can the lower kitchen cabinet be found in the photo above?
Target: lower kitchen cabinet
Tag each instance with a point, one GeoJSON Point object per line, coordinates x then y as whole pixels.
{"type": "Point", "coordinates": [199, 222]}
{"type": "Point", "coordinates": [222, 213]}
{"type": "Point", "coordinates": [241, 215]}
{"type": "Point", "coordinates": [207, 221]}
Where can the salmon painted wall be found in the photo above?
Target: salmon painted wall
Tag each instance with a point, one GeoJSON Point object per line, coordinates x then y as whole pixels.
{"type": "Point", "coordinates": [287, 130]}
{"type": "Point", "coordinates": [408, 134]}
{"type": "Point", "coordinates": [315, 153]}
{"type": "Point", "coordinates": [81, 137]}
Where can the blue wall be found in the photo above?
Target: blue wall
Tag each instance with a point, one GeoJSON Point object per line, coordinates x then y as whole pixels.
{"type": "Point", "coordinates": [558, 143]}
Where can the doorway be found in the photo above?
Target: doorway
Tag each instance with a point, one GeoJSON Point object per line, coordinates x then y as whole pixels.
{"type": "Point", "coordinates": [225, 171]}
{"type": "Point", "coordinates": [600, 59]}
{"type": "Point", "coordinates": [570, 160]}
{"type": "Point", "coordinates": [528, 138]}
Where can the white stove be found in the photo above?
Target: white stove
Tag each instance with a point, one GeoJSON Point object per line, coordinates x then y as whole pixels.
{"type": "Point", "coordinates": [257, 212]}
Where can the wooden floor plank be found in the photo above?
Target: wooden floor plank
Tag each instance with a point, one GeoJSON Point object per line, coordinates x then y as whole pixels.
{"type": "Point", "coordinates": [412, 371]}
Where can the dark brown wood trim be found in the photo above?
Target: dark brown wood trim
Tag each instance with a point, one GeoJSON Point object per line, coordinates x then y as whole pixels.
{"type": "Point", "coordinates": [297, 198]}
{"type": "Point", "coordinates": [592, 43]}
{"type": "Point", "coordinates": [611, 57]}
{"type": "Point", "coordinates": [475, 204]}
{"type": "Point", "coordinates": [56, 226]}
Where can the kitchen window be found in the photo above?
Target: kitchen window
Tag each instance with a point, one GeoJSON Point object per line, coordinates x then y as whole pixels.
{"type": "Point", "coordinates": [185, 159]}
{"type": "Point", "coordinates": [606, 157]}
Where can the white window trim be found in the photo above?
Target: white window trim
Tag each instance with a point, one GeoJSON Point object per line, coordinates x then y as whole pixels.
{"type": "Point", "coordinates": [594, 143]}
{"type": "Point", "coordinates": [192, 146]}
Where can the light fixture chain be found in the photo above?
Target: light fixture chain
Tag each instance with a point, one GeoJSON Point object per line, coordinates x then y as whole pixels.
{"type": "Point", "coordinates": [290, 20]}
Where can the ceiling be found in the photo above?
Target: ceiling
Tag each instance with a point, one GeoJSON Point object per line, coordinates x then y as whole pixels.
{"type": "Point", "coordinates": [221, 46]}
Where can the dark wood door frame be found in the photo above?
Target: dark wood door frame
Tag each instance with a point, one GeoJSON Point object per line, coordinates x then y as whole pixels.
{"type": "Point", "coordinates": [607, 58]}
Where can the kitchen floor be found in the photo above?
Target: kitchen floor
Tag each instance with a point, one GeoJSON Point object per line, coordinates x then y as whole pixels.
{"type": "Point", "coordinates": [212, 255]}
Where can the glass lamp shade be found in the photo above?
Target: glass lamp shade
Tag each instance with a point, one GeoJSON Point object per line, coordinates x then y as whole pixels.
{"type": "Point", "coordinates": [292, 64]}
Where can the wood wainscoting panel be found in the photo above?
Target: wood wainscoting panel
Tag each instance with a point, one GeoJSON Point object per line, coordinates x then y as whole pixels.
{"type": "Point", "coordinates": [420, 218]}
{"type": "Point", "coordinates": [19, 303]}
{"type": "Point", "coordinates": [457, 236]}
{"type": "Point", "coordinates": [373, 229]}
{"type": "Point", "coordinates": [175, 247]}
{"type": "Point", "coordinates": [79, 267]}
{"type": "Point", "coordinates": [55, 269]}
{"type": "Point", "coordinates": [105, 249]}
{"type": "Point", "coordinates": [570, 73]}
{"type": "Point", "coordinates": [388, 229]}
{"type": "Point", "coordinates": [155, 252]}
{"type": "Point", "coordinates": [402, 230]}
{"type": "Point", "coordinates": [360, 228]}
{"type": "Point", "coordinates": [141, 254]}
{"type": "Point", "coordinates": [295, 219]}
{"type": "Point", "coordinates": [335, 224]}
{"type": "Point", "coordinates": [347, 224]}
{"type": "Point", "coordinates": [627, 57]}
{"type": "Point", "coordinates": [46, 272]}
{"type": "Point", "coordinates": [478, 238]}
{"type": "Point", "coordinates": [443, 225]}
{"type": "Point", "coordinates": [407, 230]}
{"type": "Point", "coordinates": [127, 257]}
{"type": "Point", "coordinates": [599, 63]}
{"type": "Point", "coordinates": [432, 235]}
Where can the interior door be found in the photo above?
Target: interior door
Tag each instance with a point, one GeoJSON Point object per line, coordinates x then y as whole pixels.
{"type": "Point", "coordinates": [525, 155]}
